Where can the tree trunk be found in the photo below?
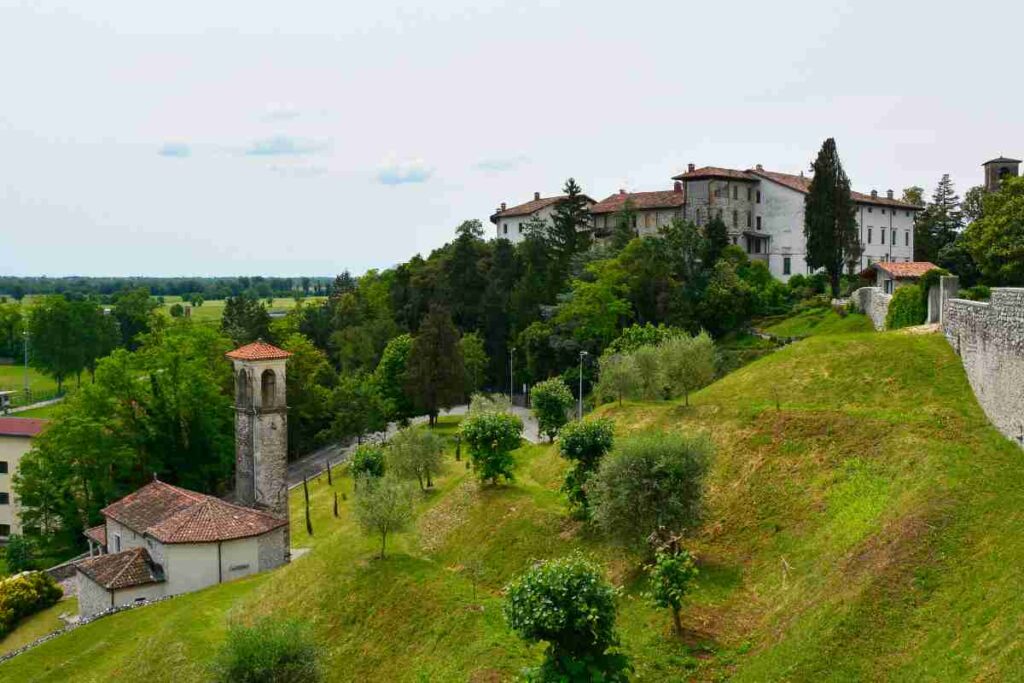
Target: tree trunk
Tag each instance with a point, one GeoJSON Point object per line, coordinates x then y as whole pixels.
{"type": "Point", "coordinates": [677, 621]}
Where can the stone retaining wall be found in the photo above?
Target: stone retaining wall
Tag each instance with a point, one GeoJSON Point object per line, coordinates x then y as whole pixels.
{"type": "Point", "coordinates": [989, 338]}
{"type": "Point", "coordinates": [874, 303]}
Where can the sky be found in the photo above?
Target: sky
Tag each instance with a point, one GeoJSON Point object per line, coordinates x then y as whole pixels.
{"type": "Point", "coordinates": [306, 138]}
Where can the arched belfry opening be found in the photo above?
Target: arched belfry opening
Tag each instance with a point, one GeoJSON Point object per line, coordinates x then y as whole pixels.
{"type": "Point", "coordinates": [243, 390]}
{"type": "Point", "coordinates": [268, 389]}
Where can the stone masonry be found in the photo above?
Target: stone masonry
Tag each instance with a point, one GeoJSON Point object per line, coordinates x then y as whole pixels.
{"type": "Point", "coordinates": [989, 338]}
{"type": "Point", "coordinates": [874, 303]}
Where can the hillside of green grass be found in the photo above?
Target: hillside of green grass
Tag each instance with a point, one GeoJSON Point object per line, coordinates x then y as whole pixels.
{"type": "Point", "coordinates": [817, 321]}
{"type": "Point", "coordinates": [863, 523]}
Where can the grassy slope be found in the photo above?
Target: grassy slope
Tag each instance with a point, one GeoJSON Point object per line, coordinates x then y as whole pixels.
{"type": "Point", "coordinates": [818, 321]}
{"type": "Point", "coordinates": [38, 625]}
{"type": "Point", "coordinates": [868, 529]}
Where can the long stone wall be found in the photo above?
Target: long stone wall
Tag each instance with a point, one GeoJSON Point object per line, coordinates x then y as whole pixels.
{"type": "Point", "coordinates": [874, 303]}
{"type": "Point", "coordinates": [989, 338]}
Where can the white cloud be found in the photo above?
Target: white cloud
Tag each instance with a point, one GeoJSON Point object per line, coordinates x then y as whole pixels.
{"type": "Point", "coordinates": [395, 171]}
{"type": "Point", "coordinates": [284, 145]}
{"type": "Point", "coordinates": [500, 165]}
{"type": "Point", "coordinates": [177, 150]}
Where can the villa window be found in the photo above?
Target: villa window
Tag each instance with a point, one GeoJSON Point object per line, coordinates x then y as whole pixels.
{"type": "Point", "coordinates": [748, 219]}
{"type": "Point", "coordinates": [759, 196]}
{"type": "Point", "coordinates": [906, 238]}
{"type": "Point", "coordinates": [894, 238]}
{"type": "Point", "coordinates": [786, 265]}
{"type": "Point", "coordinates": [758, 222]}
{"type": "Point", "coordinates": [117, 543]}
{"type": "Point", "coordinates": [696, 216]}
{"type": "Point", "coordinates": [882, 233]}
{"type": "Point", "coordinates": [5, 529]}
{"type": "Point", "coordinates": [505, 229]}
{"type": "Point", "coordinates": [735, 218]}
{"type": "Point", "coordinates": [749, 193]}
{"type": "Point", "coordinates": [870, 209]}
{"type": "Point", "coordinates": [869, 235]}
{"type": "Point", "coordinates": [735, 192]}
{"type": "Point", "coordinates": [3, 467]}
{"type": "Point", "coordinates": [5, 498]}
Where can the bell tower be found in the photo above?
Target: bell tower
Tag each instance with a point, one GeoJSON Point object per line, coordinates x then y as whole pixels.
{"type": "Point", "coordinates": [999, 168]}
{"type": "Point", "coordinates": [261, 427]}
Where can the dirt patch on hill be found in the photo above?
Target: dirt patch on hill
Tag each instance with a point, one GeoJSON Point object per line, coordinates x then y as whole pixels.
{"type": "Point", "coordinates": [440, 521]}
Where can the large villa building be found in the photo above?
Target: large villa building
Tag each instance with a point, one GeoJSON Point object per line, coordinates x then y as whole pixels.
{"type": "Point", "coordinates": [16, 435]}
{"type": "Point", "coordinates": [763, 211]}
{"type": "Point", "coordinates": [164, 540]}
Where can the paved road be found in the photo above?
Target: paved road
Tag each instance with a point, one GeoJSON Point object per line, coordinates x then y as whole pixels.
{"type": "Point", "coordinates": [313, 463]}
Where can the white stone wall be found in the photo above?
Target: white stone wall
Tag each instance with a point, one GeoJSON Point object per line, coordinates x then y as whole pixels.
{"type": "Point", "coordinates": [989, 338]}
{"type": "Point", "coordinates": [874, 303]}
{"type": "Point", "coordinates": [273, 550]}
{"type": "Point", "coordinates": [92, 597]}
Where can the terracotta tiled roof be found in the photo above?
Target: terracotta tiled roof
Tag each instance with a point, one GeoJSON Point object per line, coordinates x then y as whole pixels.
{"type": "Point", "coordinates": [714, 172]}
{"type": "Point", "coordinates": [1002, 160]}
{"type": "Point", "coordinates": [98, 534]}
{"type": "Point", "coordinates": [532, 206]}
{"type": "Point", "coordinates": [21, 426]}
{"type": "Point", "coordinates": [668, 199]}
{"type": "Point", "coordinates": [803, 183]}
{"type": "Point", "coordinates": [122, 570]}
{"type": "Point", "coordinates": [258, 350]}
{"type": "Point", "coordinates": [176, 515]}
{"type": "Point", "coordinates": [911, 269]}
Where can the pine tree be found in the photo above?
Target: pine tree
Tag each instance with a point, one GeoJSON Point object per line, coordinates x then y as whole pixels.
{"type": "Point", "coordinates": [464, 278]}
{"type": "Point", "coordinates": [570, 223]}
{"type": "Point", "coordinates": [939, 224]}
{"type": "Point", "coordinates": [436, 375]}
{"type": "Point", "coordinates": [830, 225]}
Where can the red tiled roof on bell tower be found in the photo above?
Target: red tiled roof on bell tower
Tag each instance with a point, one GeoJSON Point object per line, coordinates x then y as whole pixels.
{"type": "Point", "coordinates": [258, 350]}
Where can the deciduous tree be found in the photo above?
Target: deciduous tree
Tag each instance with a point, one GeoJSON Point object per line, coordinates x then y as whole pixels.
{"type": "Point", "coordinates": [435, 376]}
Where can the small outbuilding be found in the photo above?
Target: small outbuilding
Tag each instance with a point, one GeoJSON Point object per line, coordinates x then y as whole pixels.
{"type": "Point", "coordinates": [891, 275]}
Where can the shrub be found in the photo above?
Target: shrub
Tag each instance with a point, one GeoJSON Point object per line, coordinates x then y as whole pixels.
{"type": "Point", "coordinates": [415, 453]}
{"type": "Point", "coordinates": [568, 604]}
{"type": "Point", "coordinates": [176, 310]}
{"type": "Point", "coordinates": [688, 363]}
{"type": "Point", "coordinates": [489, 403]}
{"type": "Point", "coordinates": [19, 553]}
{"type": "Point", "coordinates": [976, 293]}
{"type": "Point", "coordinates": [551, 401]}
{"type": "Point", "coordinates": [382, 505]}
{"type": "Point", "coordinates": [633, 337]}
{"type": "Point", "coordinates": [491, 438]}
{"type": "Point", "coordinates": [583, 444]}
{"type": "Point", "coordinates": [368, 461]}
{"type": "Point", "coordinates": [617, 378]}
{"type": "Point", "coordinates": [906, 308]}
{"type": "Point", "coordinates": [671, 574]}
{"type": "Point", "coordinates": [647, 483]}
{"type": "Point", "coordinates": [270, 651]}
{"type": "Point", "coordinates": [25, 594]}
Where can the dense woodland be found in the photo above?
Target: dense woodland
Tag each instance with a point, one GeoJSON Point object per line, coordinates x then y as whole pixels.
{"type": "Point", "coordinates": [410, 340]}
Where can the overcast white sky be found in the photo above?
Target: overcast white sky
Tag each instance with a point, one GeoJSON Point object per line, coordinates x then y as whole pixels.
{"type": "Point", "coordinates": [285, 138]}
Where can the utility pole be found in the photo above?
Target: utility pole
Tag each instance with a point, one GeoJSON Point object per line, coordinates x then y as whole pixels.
{"type": "Point", "coordinates": [27, 398]}
{"type": "Point", "coordinates": [511, 376]}
{"type": "Point", "coordinates": [583, 354]}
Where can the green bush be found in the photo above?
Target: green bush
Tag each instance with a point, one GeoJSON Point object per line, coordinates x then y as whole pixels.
{"type": "Point", "coordinates": [271, 651]}
{"type": "Point", "coordinates": [976, 293]}
{"type": "Point", "coordinates": [19, 553]}
{"type": "Point", "coordinates": [25, 594]}
{"type": "Point", "coordinates": [491, 438]}
{"type": "Point", "coordinates": [649, 483]}
{"type": "Point", "coordinates": [635, 336]}
{"type": "Point", "coordinates": [906, 309]}
{"type": "Point", "coordinates": [568, 604]}
{"type": "Point", "coordinates": [688, 363]}
{"type": "Point", "coordinates": [551, 401]}
{"type": "Point", "coordinates": [671, 574]}
{"type": "Point", "coordinates": [368, 460]}
{"type": "Point", "coordinates": [583, 444]}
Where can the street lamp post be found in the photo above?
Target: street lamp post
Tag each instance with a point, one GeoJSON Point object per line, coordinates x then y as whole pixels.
{"type": "Point", "coordinates": [583, 354]}
{"type": "Point", "coordinates": [511, 376]}
{"type": "Point", "coordinates": [25, 334]}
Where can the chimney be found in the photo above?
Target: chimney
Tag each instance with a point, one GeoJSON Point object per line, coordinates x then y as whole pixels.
{"type": "Point", "coordinates": [536, 196]}
{"type": "Point", "coordinates": [759, 167]}
{"type": "Point", "coordinates": [888, 193]}
{"type": "Point", "coordinates": [874, 194]}
{"type": "Point", "coordinates": [690, 168]}
{"type": "Point", "coordinates": [621, 191]}
{"type": "Point", "coordinates": [503, 206]}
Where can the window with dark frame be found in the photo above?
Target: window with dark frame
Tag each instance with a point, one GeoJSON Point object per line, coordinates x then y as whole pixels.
{"type": "Point", "coordinates": [5, 529]}
{"type": "Point", "coordinates": [786, 265]}
{"type": "Point", "coordinates": [5, 498]}
{"type": "Point", "coordinates": [759, 196]}
{"type": "Point", "coordinates": [882, 232]}
{"type": "Point", "coordinates": [758, 222]}
{"type": "Point", "coordinates": [3, 467]}
{"type": "Point", "coordinates": [748, 218]}
{"type": "Point", "coordinates": [906, 238]}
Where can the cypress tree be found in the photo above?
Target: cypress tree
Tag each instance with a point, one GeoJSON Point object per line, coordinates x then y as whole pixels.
{"type": "Point", "coordinates": [624, 232]}
{"type": "Point", "coordinates": [570, 222]}
{"type": "Point", "coordinates": [830, 225]}
{"type": "Point", "coordinates": [716, 239]}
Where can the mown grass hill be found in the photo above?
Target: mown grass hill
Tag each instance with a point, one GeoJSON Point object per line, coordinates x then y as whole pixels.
{"type": "Point", "coordinates": [864, 523]}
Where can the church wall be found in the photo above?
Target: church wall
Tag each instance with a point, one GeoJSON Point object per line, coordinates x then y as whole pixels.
{"type": "Point", "coordinates": [273, 549]}
{"type": "Point", "coordinates": [239, 558]}
{"type": "Point", "coordinates": [190, 566]}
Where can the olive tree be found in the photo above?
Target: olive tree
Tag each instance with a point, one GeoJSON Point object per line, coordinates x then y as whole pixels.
{"type": "Point", "coordinates": [568, 604]}
{"type": "Point", "coordinates": [647, 483]}
{"type": "Point", "coordinates": [551, 401]}
{"type": "Point", "coordinates": [688, 363]}
{"type": "Point", "coordinates": [383, 505]}
{"type": "Point", "coordinates": [617, 378]}
{"type": "Point", "coordinates": [415, 453]}
{"type": "Point", "coordinates": [583, 444]}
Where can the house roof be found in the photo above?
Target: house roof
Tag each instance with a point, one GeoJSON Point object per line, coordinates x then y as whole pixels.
{"type": "Point", "coordinates": [98, 534]}
{"type": "Point", "coordinates": [532, 206]}
{"type": "Point", "coordinates": [802, 184]}
{"type": "Point", "coordinates": [21, 426]}
{"type": "Point", "coordinates": [122, 570]}
{"type": "Point", "coordinates": [175, 515]}
{"type": "Point", "coordinates": [904, 270]}
{"type": "Point", "coordinates": [1002, 160]}
{"type": "Point", "coordinates": [666, 199]}
{"type": "Point", "coordinates": [714, 172]}
{"type": "Point", "coordinates": [258, 350]}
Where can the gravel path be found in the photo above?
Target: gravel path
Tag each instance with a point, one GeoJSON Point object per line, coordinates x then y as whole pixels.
{"type": "Point", "coordinates": [313, 463]}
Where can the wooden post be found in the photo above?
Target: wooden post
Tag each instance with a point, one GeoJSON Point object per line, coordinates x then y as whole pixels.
{"type": "Point", "coordinates": [335, 503]}
{"type": "Point", "coordinates": [309, 522]}
{"type": "Point", "coordinates": [330, 480]}
{"type": "Point", "coordinates": [458, 447]}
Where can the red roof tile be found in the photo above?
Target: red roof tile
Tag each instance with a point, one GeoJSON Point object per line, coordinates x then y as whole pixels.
{"type": "Point", "coordinates": [803, 183]}
{"type": "Point", "coordinates": [175, 515]}
{"type": "Point", "coordinates": [906, 269]}
{"type": "Point", "coordinates": [667, 199]}
{"type": "Point", "coordinates": [21, 426]}
{"type": "Point", "coordinates": [122, 570]}
{"type": "Point", "coordinates": [532, 206]}
{"type": "Point", "coordinates": [98, 534]}
{"type": "Point", "coordinates": [258, 350]}
{"type": "Point", "coordinates": [714, 172]}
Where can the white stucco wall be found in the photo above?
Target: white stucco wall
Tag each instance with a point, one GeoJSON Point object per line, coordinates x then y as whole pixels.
{"type": "Point", "coordinates": [12, 448]}
{"type": "Point", "coordinates": [192, 566]}
{"type": "Point", "coordinates": [875, 221]}
{"type": "Point", "coordinates": [782, 217]}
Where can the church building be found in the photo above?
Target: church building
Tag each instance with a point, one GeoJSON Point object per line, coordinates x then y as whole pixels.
{"type": "Point", "coordinates": [164, 540]}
